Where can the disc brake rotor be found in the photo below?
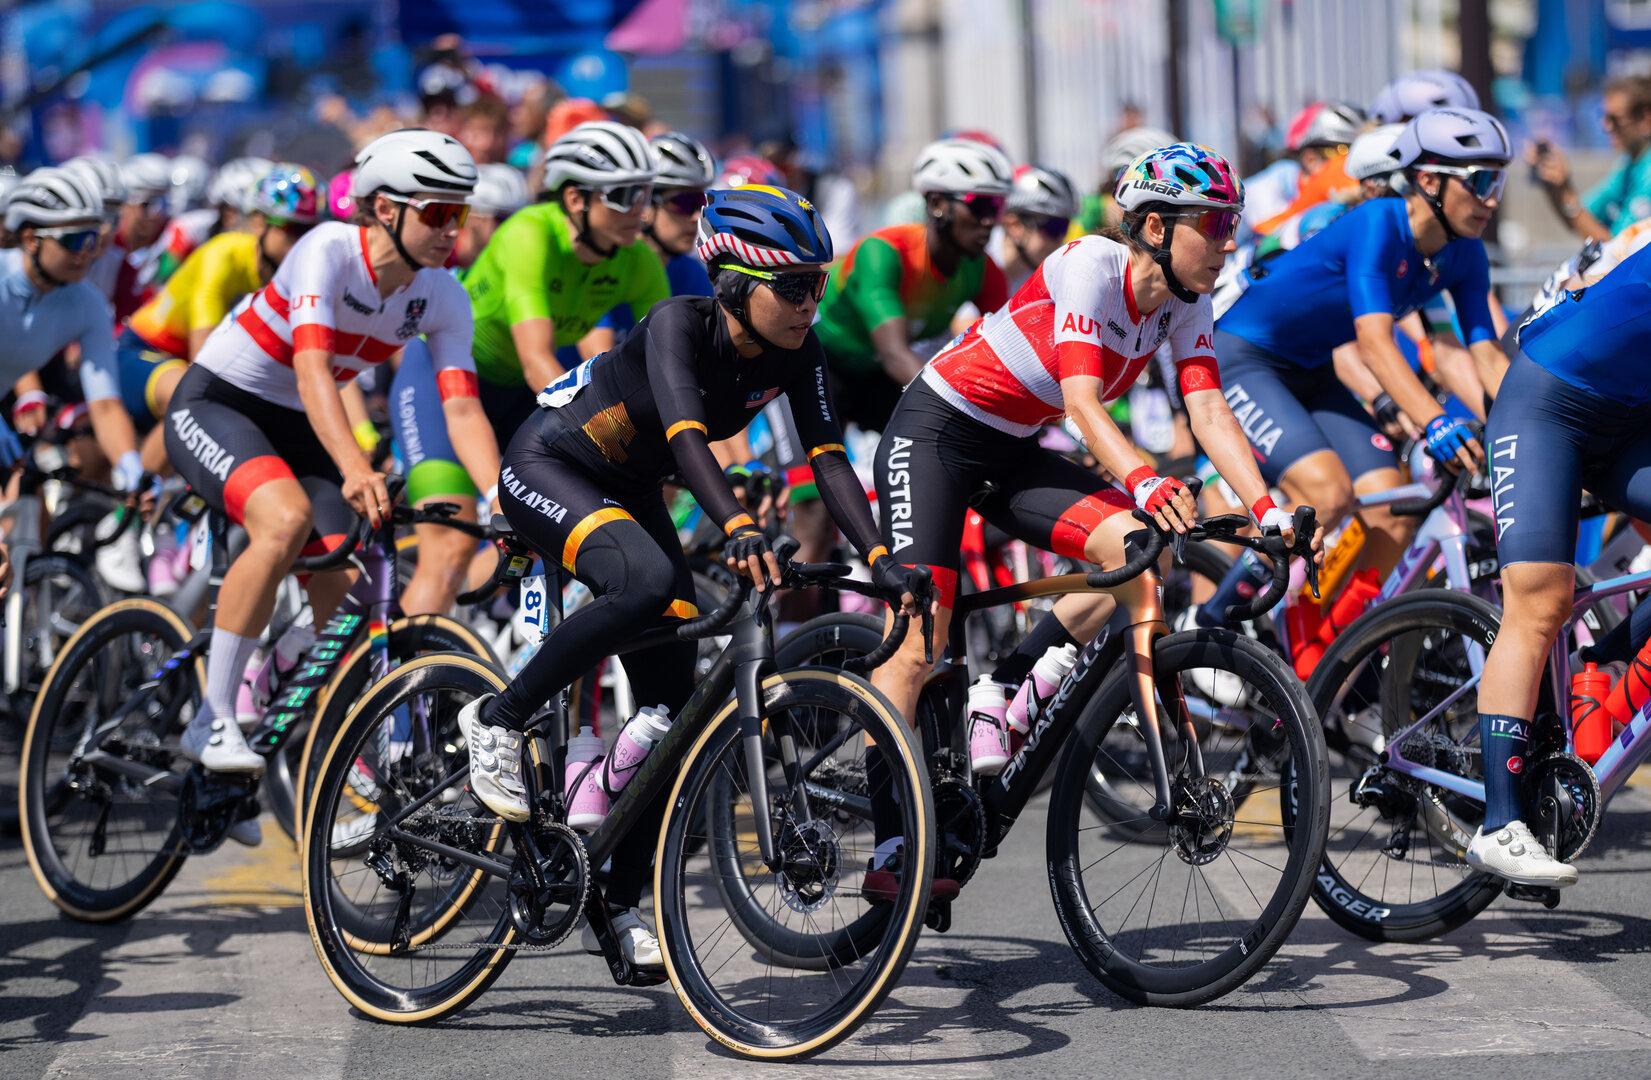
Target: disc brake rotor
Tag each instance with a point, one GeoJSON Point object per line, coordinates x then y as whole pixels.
{"type": "Point", "coordinates": [1203, 819]}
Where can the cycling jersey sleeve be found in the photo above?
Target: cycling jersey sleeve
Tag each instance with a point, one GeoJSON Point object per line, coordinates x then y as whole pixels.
{"type": "Point", "coordinates": [649, 285]}
{"type": "Point", "coordinates": [1192, 342]}
{"type": "Point", "coordinates": [873, 289]}
{"type": "Point", "coordinates": [1471, 295]}
{"type": "Point", "coordinates": [1371, 260]}
{"type": "Point", "coordinates": [310, 306]}
{"type": "Point", "coordinates": [994, 288]}
{"type": "Point", "coordinates": [675, 388]}
{"type": "Point", "coordinates": [99, 370]}
{"type": "Point", "coordinates": [821, 435]}
{"type": "Point", "coordinates": [449, 342]}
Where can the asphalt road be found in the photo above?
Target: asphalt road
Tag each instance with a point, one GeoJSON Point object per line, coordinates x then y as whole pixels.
{"type": "Point", "coordinates": [218, 979]}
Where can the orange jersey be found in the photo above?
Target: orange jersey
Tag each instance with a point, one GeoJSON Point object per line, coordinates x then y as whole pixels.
{"type": "Point", "coordinates": [1323, 185]}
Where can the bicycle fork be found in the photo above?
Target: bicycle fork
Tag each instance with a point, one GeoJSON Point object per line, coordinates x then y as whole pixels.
{"type": "Point", "coordinates": [1146, 626]}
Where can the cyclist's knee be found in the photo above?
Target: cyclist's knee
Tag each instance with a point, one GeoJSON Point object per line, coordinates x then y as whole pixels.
{"type": "Point", "coordinates": [630, 572]}
{"type": "Point", "coordinates": [286, 525]}
{"type": "Point", "coordinates": [1537, 597]}
{"type": "Point", "coordinates": [1320, 480]}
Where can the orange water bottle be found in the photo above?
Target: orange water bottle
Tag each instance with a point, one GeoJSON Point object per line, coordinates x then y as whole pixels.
{"type": "Point", "coordinates": [1362, 588]}
{"type": "Point", "coordinates": [1302, 621]}
{"type": "Point", "coordinates": [1590, 720]}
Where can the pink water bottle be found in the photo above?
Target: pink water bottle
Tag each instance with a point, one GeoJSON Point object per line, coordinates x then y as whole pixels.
{"type": "Point", "coordinates": [604, 783]}
{"type": "Point", "coordinates": [1038, 690]}
{"type": "Point", "coordinates": [581, 780]}
{"type": "Point", "coordinates": [988, 738]}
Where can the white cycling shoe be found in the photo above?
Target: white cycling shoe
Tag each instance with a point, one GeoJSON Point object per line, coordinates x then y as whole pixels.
{"type": "Point", "coordinates": [217, 745]}
{"type": "Point", "coordinates": [1512, 853]}
{"type": "Point", "coordinates": [495, 763]}
{"type": "Point", "coordinates": [636, 941]}
{"type": "Point", "coordinates": [120, 563]}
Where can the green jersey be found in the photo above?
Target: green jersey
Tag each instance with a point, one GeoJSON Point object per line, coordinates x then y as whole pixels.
{"type": "Point", "coordinates": [529, 270]}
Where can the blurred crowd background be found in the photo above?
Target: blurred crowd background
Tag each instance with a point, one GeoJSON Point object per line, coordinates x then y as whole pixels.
{"type": "Point", "coordinates": [840, 94]}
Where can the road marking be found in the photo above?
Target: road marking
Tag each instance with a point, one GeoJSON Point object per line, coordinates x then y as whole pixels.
{"type": "Point", "coordinates": [266, 876]}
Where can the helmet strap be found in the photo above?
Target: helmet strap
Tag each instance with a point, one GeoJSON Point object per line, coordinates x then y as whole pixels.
{"type": "Point", "coordinates": [1436, 203]}
{"type": "Point", "coordinates": [395, 237]}
{"type": "Point", "coordinates": [583, 236]}
{"type": "Point", "coordinates": [947, 250]}
{"type": "Point", "coordinates": [648, 231]}
{"type": "Point", "coordinates": [40, 271]}
{"type": "Point", "coordinates": [1161, 255]}
{"type": "Point", "coordinates": [733, 295]}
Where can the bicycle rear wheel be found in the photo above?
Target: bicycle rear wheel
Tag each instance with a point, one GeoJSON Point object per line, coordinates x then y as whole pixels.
{"type": "Point", "coordinates": [102, 774]}
{"type": "Point", "coordinates": [1186, 909]}
{"type": "Point", "coordinates": [814, 902]}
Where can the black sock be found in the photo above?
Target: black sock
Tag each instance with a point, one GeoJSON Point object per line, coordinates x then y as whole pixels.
{"type": "Point", "coordinates": [886, 820]}
{"type": "Point", "coordinates": [1047, 633]}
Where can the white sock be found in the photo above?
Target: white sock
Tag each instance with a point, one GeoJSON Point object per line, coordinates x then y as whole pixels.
{"type": "Point", "coordinates": [226, 664]}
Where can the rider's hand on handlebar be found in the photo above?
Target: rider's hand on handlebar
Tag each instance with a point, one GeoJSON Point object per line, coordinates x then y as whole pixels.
{"type": "Point", "coordinates": [367, 495]}
{"type": "Point", "coordinates": [1165, 498]}
{"type": "Point", "coordinates": [749, 555]}
{"type": "Point", "coordinates": [895, 582]}
{"type": "Point", "coordinates": [1453, 444]}
{"type": "Point", "coordinates": [28, 416]}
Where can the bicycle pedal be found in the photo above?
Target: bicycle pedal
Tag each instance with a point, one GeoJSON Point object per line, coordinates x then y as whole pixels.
{"type": "Point", "coordinates": [1534, 894]}
{"type": "Point", "coordinates": [938, 917]}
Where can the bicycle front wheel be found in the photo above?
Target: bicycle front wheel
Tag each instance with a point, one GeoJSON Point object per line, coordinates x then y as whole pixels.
{"type": "Point", "coordinates": [1183, 909]}
{"type": "Point", "coordinates": [820, 729]}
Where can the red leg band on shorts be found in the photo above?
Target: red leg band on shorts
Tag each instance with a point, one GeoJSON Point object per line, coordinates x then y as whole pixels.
{"type": "Point", "coordinates": [249, 476]}
{"type": "Point", "coordinates": [945, 584]}
{"type": "Point", "coordinates": [323, 544]}
{"type": "Point", "coordinates": [1077, 521]}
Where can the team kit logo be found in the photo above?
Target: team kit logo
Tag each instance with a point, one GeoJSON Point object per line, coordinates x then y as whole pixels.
{"type": "Point", "coordinates": [409, 323]}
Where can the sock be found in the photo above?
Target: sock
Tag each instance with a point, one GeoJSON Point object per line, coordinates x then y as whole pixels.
{"type": "Point", "coordinates": [885, 811]}
{"type": "Point", "coordinates": [226, 666]}
{"type": "Point", "coordinates": [1247, 571]}
{"type": "Point", "coordinates": [1047, 633]}
{"type": "Point", "coordinates": [1503, 741]}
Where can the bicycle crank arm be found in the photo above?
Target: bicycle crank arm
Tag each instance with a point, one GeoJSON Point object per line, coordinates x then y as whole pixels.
{"type": "Point", "coordinates": [147, 775]}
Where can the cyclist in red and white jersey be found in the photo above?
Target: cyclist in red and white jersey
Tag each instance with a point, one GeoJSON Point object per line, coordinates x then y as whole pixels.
{"type": "Point", "coordinates": [257, 425]}
{"type": "Point", "coordinates": [1076, 335]}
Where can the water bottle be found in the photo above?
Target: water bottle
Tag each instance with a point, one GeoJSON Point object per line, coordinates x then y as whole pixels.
{"type": "Point", "coordinates": [988, 739]}
{"type": "Point", "coordinates": [1040, 686]}
{"type": "Point", "coordinates": [639, 736]}
{"type": "Point", "coordinates": [587, 802]}
{"type": "Point", "coordinates": [1591, 730]}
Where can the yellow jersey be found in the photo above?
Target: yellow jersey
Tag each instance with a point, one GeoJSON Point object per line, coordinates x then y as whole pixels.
{"type": "Point", "coordinates": [210, 282]}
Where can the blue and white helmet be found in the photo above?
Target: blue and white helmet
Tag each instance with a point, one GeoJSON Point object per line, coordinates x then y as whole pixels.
{"type": "Point", "coordinates": [762, 227]}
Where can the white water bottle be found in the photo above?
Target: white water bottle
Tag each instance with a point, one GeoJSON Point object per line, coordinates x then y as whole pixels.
{"type": "Point", "coordinates": [988, 738]}
{"type": "Point", "coordinates": [1039, 688]}
{"type": "Point", "coordinates": [587, 802]}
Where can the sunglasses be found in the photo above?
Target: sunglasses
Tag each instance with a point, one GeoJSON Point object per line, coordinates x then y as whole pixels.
{"type": "Point", "coordinates": [1054, 228]}
{"type": "Point", "coordinates": [1219, 225]}
{"type": "Point", "coordinates": [684, 202]}
{"type": "Point", "coordinates": [625, 198]}
{"type": "Point", "coordinates": [74, 241]}
{"type": "Point", "coordinates": [795, 287]}
{"type": "Point", "coordinates": [153, 205]}
{"type": "Point", "coordinates": [435, 213]}
{"type": "Point", "coordinates": [1484, 182]}
{"type": "Point", "coordinates": [982, 207]}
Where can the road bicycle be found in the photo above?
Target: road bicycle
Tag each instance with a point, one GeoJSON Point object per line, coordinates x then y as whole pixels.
{"type": "Point", "coordinates": [418, 897]}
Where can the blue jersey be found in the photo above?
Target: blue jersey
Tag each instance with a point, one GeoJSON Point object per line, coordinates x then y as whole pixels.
{"type": "Point", "coordinates": [1599, 338]}
{"type": "Point", "coordinates": [35, 326]}
{"type": "Point", "coordinates": [687, 276]}
{"type": "Point", "coordinates": [1301, 305]}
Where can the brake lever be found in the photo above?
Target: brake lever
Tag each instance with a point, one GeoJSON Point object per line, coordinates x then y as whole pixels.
{"type": "Point", "coordinates": [1304, 524]}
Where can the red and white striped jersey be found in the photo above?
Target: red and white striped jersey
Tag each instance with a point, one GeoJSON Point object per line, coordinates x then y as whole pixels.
{"type": "Point", "coordinates": [325, 296]}
{"type": "Point", "coordinates": [1074, 316]}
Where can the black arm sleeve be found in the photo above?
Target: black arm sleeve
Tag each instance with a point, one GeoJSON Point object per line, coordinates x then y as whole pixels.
{"type": "Point", "coordinates": [822, 440]}
{"type": "Point", "coordinates": [672, 343]}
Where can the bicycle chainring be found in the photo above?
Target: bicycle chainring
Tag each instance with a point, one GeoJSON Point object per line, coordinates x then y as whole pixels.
{"type": "Point", "coordinates": [960, 830]}
{"type": "Point", "coordinates": [546, 915]}
{"type": "Point", "coordinates": [1562, 803]}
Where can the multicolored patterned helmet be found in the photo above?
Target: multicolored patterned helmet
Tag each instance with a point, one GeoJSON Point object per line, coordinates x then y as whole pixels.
{"type": "Point", "coordinates": [288, 193]}
{"type": "Point", "coordinates": [761, 226]}
{"type": "Point", "coordinates": [1182, 174]}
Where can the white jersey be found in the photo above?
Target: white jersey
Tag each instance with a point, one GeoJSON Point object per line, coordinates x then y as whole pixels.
{"type": "Point", "coordinates": [1075, 315]}
{"type": "Point", "coordinates": [325, 296]}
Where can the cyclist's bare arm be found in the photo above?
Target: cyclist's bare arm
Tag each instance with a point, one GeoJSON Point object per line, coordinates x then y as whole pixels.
{"type": "Point", "coordinates": [535, 341]}
{"type": "Point", "coordinates": [894, 351]}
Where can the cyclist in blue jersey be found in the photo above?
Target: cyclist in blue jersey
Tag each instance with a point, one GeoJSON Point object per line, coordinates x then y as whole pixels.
{"type": "Point", "coordinates": [1376, 264]}
{"type": "Point", "coordinates": [1574, 411]}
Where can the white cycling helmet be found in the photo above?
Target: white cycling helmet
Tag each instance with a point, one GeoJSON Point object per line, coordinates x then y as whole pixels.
{"type": "Point", "coordinates": [962, 167]}
{"type": "Point", "coordinates": [236, 180]}
{"type": "Point", "coordinates": [1324, 123]}
{"type": "Point", "coordinates": [1451, 137]}
{"type": "Point", "coordinates": [104, 175]}
{"type": "Point", "coordinates": [500, 190]}
{"type": "Point", "coordinates": [50, 197]}
{"type": "Point", "coordinates": [1038, 189]}
{"type": "Point", "coordinates": [147, 176]}
{"type": "Point", "coordinates": [1370, 156]}
{"type": "Point", "coordinates": [1123, 148]}
{"type": "Point", "coordinates": [191, 177]}
{"type": "Point", "coordinates": [681, 161]}
{"type": "Point", "coordinates": [598, 153]}
{"type": "Point", "coordinates": [414, 161]}
{"type": "Point", "coordinates": [1415, 93]}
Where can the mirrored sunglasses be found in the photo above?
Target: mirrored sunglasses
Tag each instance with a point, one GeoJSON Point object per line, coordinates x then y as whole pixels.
{"type": "Point", "coordinates": [983, 207]}
{"type": "Point", "coordinates": [435, 213]}
{"type": "Point", "coordinates": [74, 240]}
{"type": "Point", "coordinates": [683, 202]}
{"type": "Point", "coordinates": [625, 197]}
{"type": "Point", "coordinates": [1219, 225]}
{"type": "Point", "coordinates": [1484, 182]}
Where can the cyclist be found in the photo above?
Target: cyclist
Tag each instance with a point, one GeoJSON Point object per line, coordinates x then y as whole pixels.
{"type": "Point", "coordinates": [190, 223]}
{"type": "Point", "coordinates": [257, 426]}
{"type": "Point", "coordinates": [1374, 265]}
{"type": "Point", "coordinates": [1037, 217]}
{"type": "Point", "coordinates": [55, 218]}
{"type": "Point", "coordinates": [232, 186]}
{"type": "Point", "coordinates": [905, 283]}
{"type": "Point", "coordinates": [545, 279]}
{"type": "Point", "coordinates": [1100, 210]}
{"type": "Point", "coordinates": [1415, 92]}
{"type": "Point", "coordinates": [1572, 413]}
{"type": "Point", "coordinates": [582, 483]}
{"type": "Point", "coordinates": [1074, 337]}
{"type": "Point", "coordinates": [1318, 140]}
{"type": "Point", "coordinates": [501, 190]}
{"type": "Point", "coordinates": [167, 332]}
{"type": "Point", "coordinates": [148, 180]}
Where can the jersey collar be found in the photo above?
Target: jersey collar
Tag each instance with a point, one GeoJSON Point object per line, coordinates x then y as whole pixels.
{"type": "Point", "coordinates": [365, 259]}
{"type": "Point", "coordinates": [1129, 293]}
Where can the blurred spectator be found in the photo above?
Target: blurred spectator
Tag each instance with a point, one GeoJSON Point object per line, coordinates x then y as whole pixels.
{"type": "Point", "coordinates": [1624, 196]}
{"type": "Point", "coordinates": [630, 108]}
{"type": "Point", "coordinates": [527, 123]}
{"type": "Point", "coordinates": [485, 130]}
{"type": "Point", "coordinates": [568, 114]}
